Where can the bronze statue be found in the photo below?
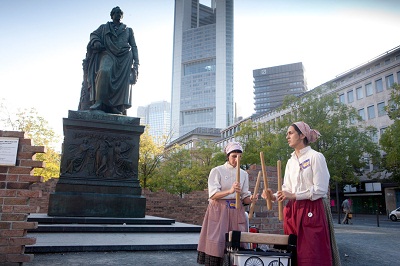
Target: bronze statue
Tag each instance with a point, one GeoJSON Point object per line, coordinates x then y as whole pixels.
{"type": "Point", "coordinates": [111, 67]}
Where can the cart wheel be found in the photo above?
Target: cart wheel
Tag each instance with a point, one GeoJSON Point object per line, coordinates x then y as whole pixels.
{"type": "Point", "coordinates": [275, 263]}
{"type": "Point", "coordinates": [254, 261]}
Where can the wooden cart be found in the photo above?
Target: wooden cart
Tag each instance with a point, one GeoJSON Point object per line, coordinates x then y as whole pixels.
{"type": "Point", "coordinates": [282, 252]}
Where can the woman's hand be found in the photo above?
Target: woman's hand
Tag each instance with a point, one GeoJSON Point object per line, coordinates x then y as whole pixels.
{"type": "Point", "coordinates": [235, 188]}
{"type": "Point", "coordinates": [282, 195]}
{"type": "Point", "coordinates": [254, 197]}
{"type": "Point", "coordinates": [268, 192]}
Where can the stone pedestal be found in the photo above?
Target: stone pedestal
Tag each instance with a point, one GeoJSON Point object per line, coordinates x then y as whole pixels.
{"type": "Point", "coordinates": [99, 166]}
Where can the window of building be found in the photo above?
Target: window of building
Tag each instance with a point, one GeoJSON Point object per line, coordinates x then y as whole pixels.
{"type": "Point", "coordinates": [360, 93]}
{"type": "Point", "coordinates": [387, 61]}
{"type": "Point", "coordinates": [366, 161]}
{"type": "Point", "coordinates": [393, 105]}
{"type": "Point", "coordinates": [374, 135]}
{"type": "Point", "coordinates": [382, 130]}
{"type": "Point", "coordinates": [371, 112]}
{"type": "Point", "coordinates": [378, 85]}
{"type": "Point", "coordinates": [361, 113]}
{"type": "Point", "coordinates": [341, 98]}
{"type": "Point", "coordinates": [389, 81]}
{"type": "Point", "coordinates": [368, 89]}
{"type": "Point", "coordinates": [398, 77]}
{"type": "Point", "coordinates": [381, 109]}
{"type": "Point", "coordinates": [350, 96]}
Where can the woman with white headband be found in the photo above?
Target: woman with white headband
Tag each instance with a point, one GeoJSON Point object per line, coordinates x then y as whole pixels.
{"type": "Point", "coordinates": [305, 186]}
{"type": "Point", "coordinates": [222, 216]}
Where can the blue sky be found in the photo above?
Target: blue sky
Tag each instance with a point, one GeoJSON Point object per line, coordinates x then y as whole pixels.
{"type": "Point", "coordinates": [43, 43]}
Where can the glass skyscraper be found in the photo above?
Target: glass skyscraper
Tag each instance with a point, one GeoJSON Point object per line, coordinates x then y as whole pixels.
{"type": "Point", "coordinates": [202, 77]}
{"type": "Point", "coordinates": [272, 84]}
{"type": "Point", "coordinates": [157, 116]}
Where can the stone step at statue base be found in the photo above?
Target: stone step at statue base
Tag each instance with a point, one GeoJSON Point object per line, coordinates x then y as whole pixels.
{"type": "Point", "coordinates": [92, 234]}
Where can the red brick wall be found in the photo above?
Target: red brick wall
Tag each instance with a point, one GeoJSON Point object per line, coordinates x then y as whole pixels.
{"type": "Point", "coordinates": [15, 197]}
{"type": "Point", "coordinates": [192, 207]}
{"type": "Point", "coordinates": [46, 188]}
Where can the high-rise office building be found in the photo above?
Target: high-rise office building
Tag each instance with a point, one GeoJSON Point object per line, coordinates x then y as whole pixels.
{"type": "Point", "coordinates": [272, 84]}
{"type": "Point", "coordinates": [157, 117]}
{"type": "Point", "coordinates": [202, 74]}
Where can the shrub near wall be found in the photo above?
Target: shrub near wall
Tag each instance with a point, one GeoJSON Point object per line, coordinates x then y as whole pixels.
{"type": "Point", "coordinates": [15, 198]}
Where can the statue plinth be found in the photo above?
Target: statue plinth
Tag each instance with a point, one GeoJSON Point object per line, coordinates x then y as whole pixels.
{"type": "Point", "coordinates": [99, 167]}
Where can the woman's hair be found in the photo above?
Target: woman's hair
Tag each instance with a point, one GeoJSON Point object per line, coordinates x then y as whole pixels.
{"type": "Point", "coordinates": [236, 151]}
{"type": "Point", "coordinates": [114, 10]}
{"type": "Point", "coordinates": [305, 140]}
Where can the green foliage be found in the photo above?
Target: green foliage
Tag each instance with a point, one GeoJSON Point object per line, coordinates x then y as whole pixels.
{"type": "Point", "coordinates": [52, 167]}
{"type": "Point", "coordinates": [394, 103]}
{"type": "Point", "coordinates": [171, 174]}
{"type": "Point", "coordinates": [182, 171]}
{"type": "Point", "coordinates": [390, 139]}
{"type": "Point", "coordinates": [262, 137]}
{"type": "Point", "coordinates": [150, 155]}
{"type": "Point", "coordinates": [343, 144]}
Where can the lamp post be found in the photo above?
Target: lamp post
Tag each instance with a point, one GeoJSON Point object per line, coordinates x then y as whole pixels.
{"type": "Point", "coordinates": [337, 201]}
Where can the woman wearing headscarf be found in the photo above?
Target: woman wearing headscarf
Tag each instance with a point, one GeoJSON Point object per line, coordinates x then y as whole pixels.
{"type": "Point", "coordinates": [221, 215]}
{"type": "Point", "coordinates": [305, 186]}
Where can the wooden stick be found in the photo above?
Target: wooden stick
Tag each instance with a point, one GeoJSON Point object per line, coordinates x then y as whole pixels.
{"type": "Point", "coordinates": [264, 172]}
{"type": "Point", "coordinates": [254, 201]}
{"type": "Point", "coordinates": [280, 203]}
{"type": "Point", "coordinates": [237, 180]}
{"type": "Point", "coordinates": [262, 238]}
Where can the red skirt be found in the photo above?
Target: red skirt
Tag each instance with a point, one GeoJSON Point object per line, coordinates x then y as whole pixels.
{"type": "Point", "coordinates": [307, 220]}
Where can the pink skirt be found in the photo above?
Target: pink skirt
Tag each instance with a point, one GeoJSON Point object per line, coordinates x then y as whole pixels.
{"type": "Point", "coordinates": [307, 220]}
{"type": "Point", "coordinates": [220, 218]}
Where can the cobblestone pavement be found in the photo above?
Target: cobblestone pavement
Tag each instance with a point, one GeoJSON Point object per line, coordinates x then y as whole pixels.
{"type": "Point", "coordinates": [362, 243]}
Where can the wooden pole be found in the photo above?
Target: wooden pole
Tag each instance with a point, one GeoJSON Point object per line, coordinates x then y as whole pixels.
{"type": "Point", "coordinates": [280, 203]}
{"type": "Point", "coordinates": [237, 180]}
{"type": "Point", "coordinates": [264, 172]}
{"type": "Point", "coordinates": [253, 202]}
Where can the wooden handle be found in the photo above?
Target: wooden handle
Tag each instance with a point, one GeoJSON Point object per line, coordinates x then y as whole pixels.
{"type": "Point", "coordinates": [264, 172]}
{"type": "Point", "coordinates": [280, 203]}
{"type": "Point", "coordinates": [237, 180]}
{"type": "Point", "coordinates": [253, 202]}
{"type": "Point", "coordinates": [261, 238]}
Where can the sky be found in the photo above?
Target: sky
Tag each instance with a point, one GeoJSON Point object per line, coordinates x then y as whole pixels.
{"type": "Point", "coordinates": [43, 43]}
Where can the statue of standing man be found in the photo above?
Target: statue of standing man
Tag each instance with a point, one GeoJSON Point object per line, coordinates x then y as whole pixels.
{"type": "Point", "coordinates": [111, 66]}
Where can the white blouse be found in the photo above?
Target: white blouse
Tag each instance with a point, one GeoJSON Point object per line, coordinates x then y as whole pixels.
{"type": "Point", "coordinates": [222, 178]}
{"type": "Point", "coordinates": [307, 176]}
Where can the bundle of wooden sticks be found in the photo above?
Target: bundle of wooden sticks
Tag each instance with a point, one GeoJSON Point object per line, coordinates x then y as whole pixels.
{"type": "Point", "coordinates": [263, 172]}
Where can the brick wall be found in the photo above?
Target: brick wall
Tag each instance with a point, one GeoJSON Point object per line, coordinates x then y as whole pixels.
{"type": "Point", "coordinates": [192, 207]}
{"type": "Point", "coordinates": [45, 188]}
{"type": "Point", "coordinates": [15, 196]}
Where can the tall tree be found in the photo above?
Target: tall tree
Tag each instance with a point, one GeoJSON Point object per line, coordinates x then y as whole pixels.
{"type": "Point", "coordinates": [150, 155]}
{"type": "Point", "coordinates": [171, 175]}
{"type": "Point", "coordinates": [390, 139]}
{"type": "Point", "coordinates": [343, 143]}
{"type": "Point", "coordinates": [182, 171]}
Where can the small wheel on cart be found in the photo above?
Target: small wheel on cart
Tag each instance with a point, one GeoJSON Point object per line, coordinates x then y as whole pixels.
{"type": "Point", "coordinates": [275, 263]}
{"type": "Point", "coordinates": [254, 261]}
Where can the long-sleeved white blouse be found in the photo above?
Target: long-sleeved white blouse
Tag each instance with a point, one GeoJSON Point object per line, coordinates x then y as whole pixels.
{"type": "Point", "coordinates": [307, 176]}
{"type": "Point", "coordinates": [222, 178]}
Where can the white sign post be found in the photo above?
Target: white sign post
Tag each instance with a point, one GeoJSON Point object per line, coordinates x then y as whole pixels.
{"type": "Point", "coordinates": [8, 151]}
